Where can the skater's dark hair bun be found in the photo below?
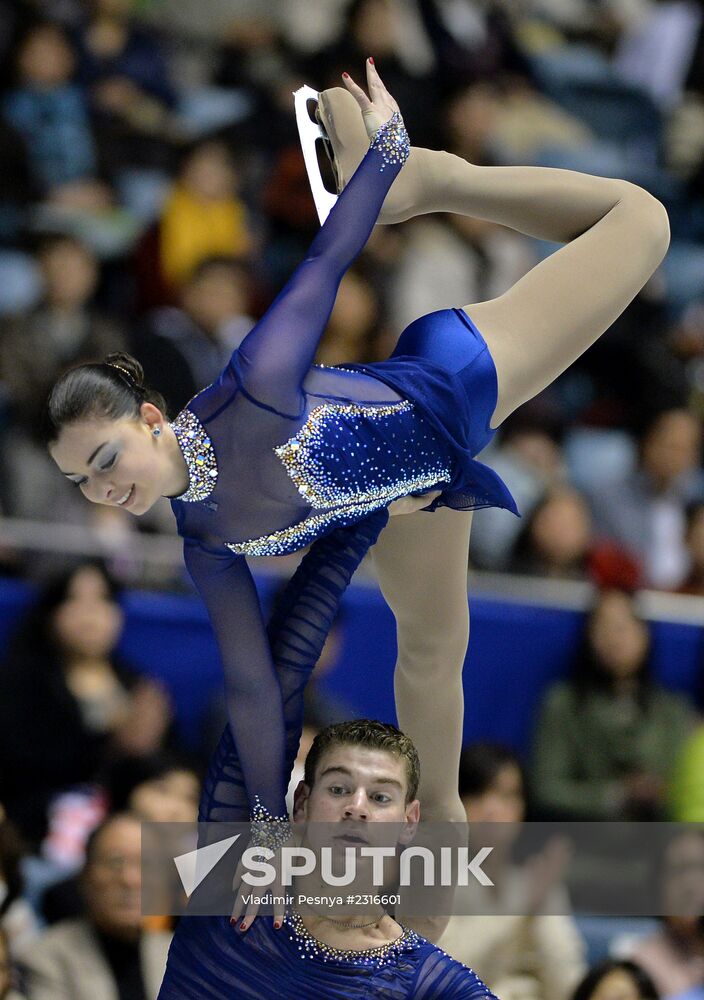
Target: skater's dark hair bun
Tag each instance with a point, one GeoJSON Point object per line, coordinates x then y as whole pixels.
{"type": "Point", "coordinates": [107, 390]}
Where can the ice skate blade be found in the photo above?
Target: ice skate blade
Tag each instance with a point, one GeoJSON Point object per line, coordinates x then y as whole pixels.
{"type": "Point", "coordinates": [309, 133]}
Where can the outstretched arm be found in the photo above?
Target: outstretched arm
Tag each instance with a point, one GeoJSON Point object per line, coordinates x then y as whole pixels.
{"type": "Point", "coordinates": [252, 690]}
{"type": "Point", "coordinates": [275, 356]}
{"type": "Point", "coordinates": [297, 632]}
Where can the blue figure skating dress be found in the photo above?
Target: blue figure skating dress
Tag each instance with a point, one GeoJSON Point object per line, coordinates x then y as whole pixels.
{"type": "Point", "coordinates": [280, 451]}
{"type": "Point", "coordinates": [208, 959]}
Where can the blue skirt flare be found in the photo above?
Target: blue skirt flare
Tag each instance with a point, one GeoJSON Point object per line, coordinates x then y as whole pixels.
{"type": "Point", "coordinates": [443, 364]}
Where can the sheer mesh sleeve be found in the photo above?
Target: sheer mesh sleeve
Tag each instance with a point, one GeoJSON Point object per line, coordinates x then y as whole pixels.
{"type": "Point", "coordinates": [275, 356]}
{"type": "Point", "coordinates": [252, 692]}
{"type": "Point", "coordinates": [440, 977]}
{"type": "Point", "coordinates": [297, 632]}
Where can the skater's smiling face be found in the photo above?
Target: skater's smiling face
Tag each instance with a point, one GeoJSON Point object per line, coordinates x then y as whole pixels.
{"type": "Point", "coordinates": [118, 463]}
{"type": "Point", "coordinates": [108, 434]}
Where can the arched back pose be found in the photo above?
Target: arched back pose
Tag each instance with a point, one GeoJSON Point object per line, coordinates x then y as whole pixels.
{"type": "Point", "coordinates": [277, 452]}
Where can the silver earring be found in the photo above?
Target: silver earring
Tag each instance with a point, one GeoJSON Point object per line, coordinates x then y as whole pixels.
{"type": "Point", "coordinates": [157, 432]}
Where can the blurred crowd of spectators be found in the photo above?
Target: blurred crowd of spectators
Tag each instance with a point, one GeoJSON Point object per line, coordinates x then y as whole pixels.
{"type": "Point", "coordinates": [153, 198]}
{"type": "Point", "coordinates": [89, 749]}
{"type": "Point", "coordinates": [70, 876]}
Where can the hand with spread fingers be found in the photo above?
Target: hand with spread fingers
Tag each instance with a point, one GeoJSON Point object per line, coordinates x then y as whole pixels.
{"type": "Point", "coordinates": [379, 106]}
{"type": "Point", "coordinates": [245, 913]}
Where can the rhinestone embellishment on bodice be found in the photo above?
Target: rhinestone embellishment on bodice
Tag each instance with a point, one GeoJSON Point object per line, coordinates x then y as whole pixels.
{"type": "Point", "coordinates": [339, 491]}
{"type": "Point", "coordinates": [197, 450]}
{"type": "Point", "coordinates": [310, 459]}
{"type": "Point", "coordinates": [296, 536]}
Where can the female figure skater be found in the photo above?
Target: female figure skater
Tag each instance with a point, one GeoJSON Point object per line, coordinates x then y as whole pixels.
{"type": "Point", "coordinates": [278, 452]}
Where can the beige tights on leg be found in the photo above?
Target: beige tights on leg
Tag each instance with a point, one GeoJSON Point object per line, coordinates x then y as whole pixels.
{"type": "Point", "coordinates": [421, 564]}
{"type": "Point", "coordinates": [616, 234]}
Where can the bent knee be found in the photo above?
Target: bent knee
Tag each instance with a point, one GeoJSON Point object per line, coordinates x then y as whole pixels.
{"type": "Point", "coordinates": [652, 220]}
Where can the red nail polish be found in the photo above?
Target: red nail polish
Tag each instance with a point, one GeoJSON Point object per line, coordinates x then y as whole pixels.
{"type": "Point", "coordinates": [346, 76]}
{"type": "Point", "coordinates": [371, 60]}
{"type": "Point", "coordinates": [243, 926]}
{"type": "Point", "coordinates": [277, 925]}
{"type": "Point", "coordinates": [232, 921]}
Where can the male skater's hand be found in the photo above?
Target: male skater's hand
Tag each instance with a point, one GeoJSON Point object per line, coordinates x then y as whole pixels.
{"type": "Point", "coordinates": [379, 106]}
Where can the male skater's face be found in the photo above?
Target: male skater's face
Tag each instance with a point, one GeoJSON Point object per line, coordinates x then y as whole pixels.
{"type": "Point", "coordinates": [356, 788]}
